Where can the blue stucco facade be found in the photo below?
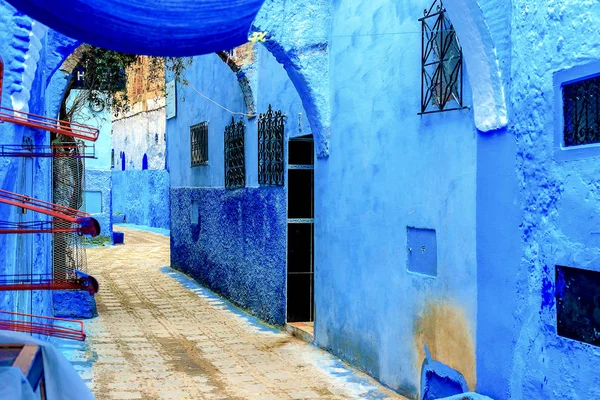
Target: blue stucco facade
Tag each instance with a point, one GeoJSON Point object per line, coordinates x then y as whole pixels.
{"type": "Point", "coordinates": [238, 247]}
{"type": "Point", "coordinates": [537, 208]}
{"type": "Point", "coordinates": [141, 197]}
{"type": "Point", "coordinates": [503, 202]}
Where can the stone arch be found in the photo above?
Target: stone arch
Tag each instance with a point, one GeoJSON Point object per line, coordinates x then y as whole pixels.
{"type": "Point", "coordinates": [479, 52]}
{"type": "Point", "coordinates": [237, 67]}
{"type": "Point", "coordinates": [304, 54]}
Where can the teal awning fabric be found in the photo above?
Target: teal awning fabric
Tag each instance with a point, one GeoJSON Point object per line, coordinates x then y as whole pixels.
{"type": "Point", "coordinates": [148, 27]}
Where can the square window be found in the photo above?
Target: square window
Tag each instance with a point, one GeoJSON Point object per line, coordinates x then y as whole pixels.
{"type": "Point", "coordinates": [199, 144]}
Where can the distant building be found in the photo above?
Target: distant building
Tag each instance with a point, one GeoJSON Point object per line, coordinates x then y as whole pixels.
{"type": "Point", "coordinates": [140, 177]}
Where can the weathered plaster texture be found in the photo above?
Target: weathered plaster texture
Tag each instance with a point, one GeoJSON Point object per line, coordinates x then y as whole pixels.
{"type": "Point", "coordinates": [136, 136]}
{"type": "Point", "coordinates": [74, 304]}
{"type": "Point", "coordinates": [236, 247]}
{"type": "Point", "coordinates": [241, 255]}
{"type": "Point", "coordinates": [299, 34]}
{"type": "Point", "coordinates": [142, 196]}
{"type": "Point", "coordinates": [546, 213]}
{"type": "Point", "coordinates": [390, 169]}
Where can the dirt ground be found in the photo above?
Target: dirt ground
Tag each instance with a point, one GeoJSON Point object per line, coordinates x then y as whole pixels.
{"type": "Point", "coordinates": [159, 338]}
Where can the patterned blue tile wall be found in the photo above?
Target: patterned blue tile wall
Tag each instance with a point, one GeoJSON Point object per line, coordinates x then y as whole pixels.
{"type": "Point", "coordinates": [237, 247]}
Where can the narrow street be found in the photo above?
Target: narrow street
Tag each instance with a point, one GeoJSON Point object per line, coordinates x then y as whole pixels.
{"type": "Point", "coordinates": [162, 336]}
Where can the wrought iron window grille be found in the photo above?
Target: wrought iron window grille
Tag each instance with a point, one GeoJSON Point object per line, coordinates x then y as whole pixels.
{"type": "Point", "coordinates": [441, 62]}
{"type": "Point", "coordinates": [235, 167]}
{"type": "Point", "coordinates": [271, 132]}
{"type": "Point", "coordinates": [199, 143]}
{"type": "Point", "coordinates": [581, 110]}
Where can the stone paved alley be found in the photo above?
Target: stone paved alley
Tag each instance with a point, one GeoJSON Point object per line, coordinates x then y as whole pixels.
{"type": "Point", "coordinates": [161, 336]}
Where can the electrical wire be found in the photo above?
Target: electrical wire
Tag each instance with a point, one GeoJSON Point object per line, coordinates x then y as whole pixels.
{"type": "Point", "coordinates": [217, 104]}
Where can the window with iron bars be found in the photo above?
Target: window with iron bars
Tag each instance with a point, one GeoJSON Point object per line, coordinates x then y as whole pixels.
{"type": "Point", "coordinates": [581, 110]}
{"type": "Point", "coordinates": [199, 143]}
{"type": "Point", "coordinates": [441, 62]}
{"type": "Point", "coordinates": [270, 148]}
{"type": "Point", "coordinates": [235, 167]}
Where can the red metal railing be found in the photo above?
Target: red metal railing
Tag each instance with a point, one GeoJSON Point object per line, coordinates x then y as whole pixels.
{"type": "Point", "coordinates": [7, 227]}
{"type": "Point", "coordinates": [88, 225]}
{"type": "Point", "coordinates": [73, 150]}
{"type": "Point", "coordinates": [59, 127]}
{"type": "Point", "coordinates": [80, 281]}
{"type": "Point", "coordinates": [41, 325]}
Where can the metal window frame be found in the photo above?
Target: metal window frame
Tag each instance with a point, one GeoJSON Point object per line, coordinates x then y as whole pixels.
{"type": "Point", "coordinates": [271, 150]}
{"type": "Point", "coordinates": [199, 144]}
{"type": "Point", "coordinates": [439, 92]}
{"type": "Point", "coordinates": [234, 157]}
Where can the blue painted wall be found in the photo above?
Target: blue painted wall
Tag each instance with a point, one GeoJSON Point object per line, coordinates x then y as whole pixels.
{"type": "Point", "coordinates": [142, 196]}
{"type": "Point", "coordinates": [239, 248]}
{"type": "Point", "coordinates": [98, 169]}
{"type": "Point", "coordinates": [97, 180]}
{"type": "Point", "coordinates": [538, 208]}
{"type": "Point", "coordinates": [390, 169]}
{"type": "Point", "coordinates": [506, 205]}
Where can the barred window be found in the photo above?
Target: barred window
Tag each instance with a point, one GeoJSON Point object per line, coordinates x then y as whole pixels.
{"type": "Point", "coordinates": [441, 62]}
{"type": "Point", "coordinates": [199, 143]}
{"type": "Point", "coordinates": [235, 168]}
{"type": "Point", "coordinates": [270, 148]}
{"type": "Point", "coordinates": [581, 109]}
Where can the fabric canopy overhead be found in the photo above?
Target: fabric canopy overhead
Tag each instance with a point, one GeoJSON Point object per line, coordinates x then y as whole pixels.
{"type": "Point", "coordinates": [148, 27]}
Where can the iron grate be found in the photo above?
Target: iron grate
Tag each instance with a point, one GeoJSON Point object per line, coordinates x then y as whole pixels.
{"type": "Point", "coordinates": [581, 108]}
{"type": "Point", "coordinates": [199, 143]}
{"type": "Point", "coordinates": [235, 167]}
{"type": "Point", "coordinates": [271, 132]}
{"type": "Point", "coordinates": [441, 62]}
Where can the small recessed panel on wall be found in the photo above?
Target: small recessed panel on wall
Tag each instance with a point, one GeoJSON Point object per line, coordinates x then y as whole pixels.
{"type": "Point", "coordinates": [578, 304]}
{"type": "Point", "coordinates": [171, 100]}
{"type": "Point", "coordinates": [422, 251]}
{"type": "Point", "coordinates": [92, 202]}
{"type": "Point", "coordinates": [195, 213]}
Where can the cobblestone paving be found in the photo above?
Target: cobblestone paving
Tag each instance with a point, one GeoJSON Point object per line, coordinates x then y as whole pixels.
{"type": "Point", "coordinates": [161, 336]}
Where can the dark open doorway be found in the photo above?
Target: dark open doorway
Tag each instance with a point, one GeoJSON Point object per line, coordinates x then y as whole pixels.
{"type": "Point", "coordinates": [300, 236]}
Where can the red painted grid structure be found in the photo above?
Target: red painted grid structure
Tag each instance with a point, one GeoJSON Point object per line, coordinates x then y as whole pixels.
{"type": "Point", "coordinates": [87, 224]}
{"type": "Point", "coordinates": [50, 326]}
{"type": "Point", "coordinates": [77, 281]}
{"type": "Point", "coordinates": [73, 150]}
